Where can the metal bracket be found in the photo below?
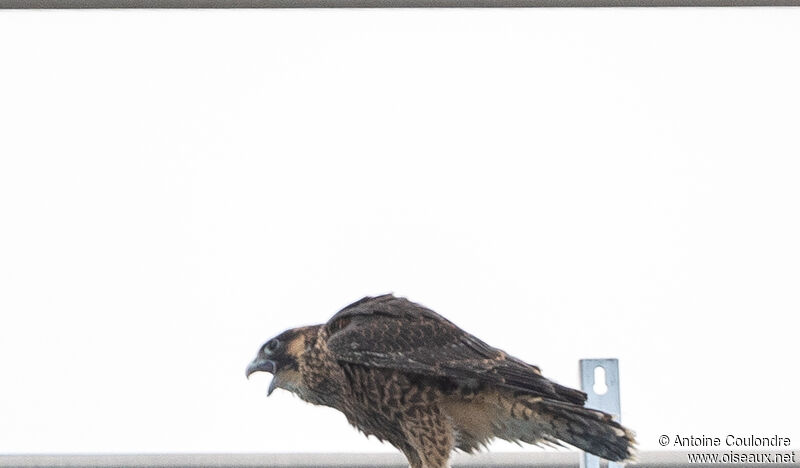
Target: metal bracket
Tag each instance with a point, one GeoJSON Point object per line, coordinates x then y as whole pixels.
{"type": "Point", "coordinates": [607, 401]}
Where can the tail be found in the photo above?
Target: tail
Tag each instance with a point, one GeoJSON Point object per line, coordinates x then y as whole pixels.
{"type": "Point", "coordinates": [587, 429]}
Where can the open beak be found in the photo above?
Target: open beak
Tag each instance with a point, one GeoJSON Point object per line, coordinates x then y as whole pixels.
{"type": "Point", "coordinates": [260, 365]}
{"type": "Point", "coordinates": [264, 365]}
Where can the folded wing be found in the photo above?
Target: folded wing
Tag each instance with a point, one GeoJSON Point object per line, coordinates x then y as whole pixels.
{"type": "Point", "coordinates": [395, 333]}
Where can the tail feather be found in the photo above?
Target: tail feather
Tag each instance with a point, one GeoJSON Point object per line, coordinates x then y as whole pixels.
{"type": "Point", "coordinates": [590, 430]}
{"type": "Point", "coordinates": [542, 421]}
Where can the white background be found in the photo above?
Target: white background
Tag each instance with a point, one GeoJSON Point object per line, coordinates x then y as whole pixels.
{"type": "Point", "coordinates": [176, 187]}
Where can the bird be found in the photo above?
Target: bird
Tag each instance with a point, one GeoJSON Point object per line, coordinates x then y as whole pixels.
{"type": "Point", "coordinates": [408, 376]}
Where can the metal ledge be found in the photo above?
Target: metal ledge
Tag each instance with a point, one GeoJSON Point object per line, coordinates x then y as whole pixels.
{"type": "Point", "coordinates": [665, 459]}
{"type": "Point", "coordinates": [90, 4]}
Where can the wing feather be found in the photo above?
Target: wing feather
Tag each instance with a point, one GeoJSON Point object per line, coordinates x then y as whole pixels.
{"type": "Point", "coordinates": [395, 333]}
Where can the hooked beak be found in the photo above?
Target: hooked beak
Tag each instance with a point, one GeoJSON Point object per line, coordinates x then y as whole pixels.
{"type": "Point", "coordinates": [260, 365]}
{"type": "Point", "coordinates": [264, 365]}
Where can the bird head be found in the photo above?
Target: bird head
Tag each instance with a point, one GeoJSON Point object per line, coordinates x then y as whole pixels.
{"type": "Point", "coordinates": [280, 356]}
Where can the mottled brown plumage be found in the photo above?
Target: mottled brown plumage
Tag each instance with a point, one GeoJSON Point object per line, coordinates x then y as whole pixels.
{"type": "Point", "coordinates": [407, 375]}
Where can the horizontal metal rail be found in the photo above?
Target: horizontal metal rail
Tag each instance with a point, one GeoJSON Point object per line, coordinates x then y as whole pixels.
{"type": "Point", "coordinates": [665, 459]}
{"type": "Point", "coordinates": [71, 4]}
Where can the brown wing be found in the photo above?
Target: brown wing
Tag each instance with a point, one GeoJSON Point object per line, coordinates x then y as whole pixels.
{"type": "Point", "coordinates": [395, 333]}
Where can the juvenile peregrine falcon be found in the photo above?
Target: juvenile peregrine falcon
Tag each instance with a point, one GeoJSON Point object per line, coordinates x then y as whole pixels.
{"type": "Point", "coordinates": [407, 375]}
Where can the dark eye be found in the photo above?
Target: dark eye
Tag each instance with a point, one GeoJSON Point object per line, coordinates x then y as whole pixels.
{"type": "Point", "coordinates": [272, 345]}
